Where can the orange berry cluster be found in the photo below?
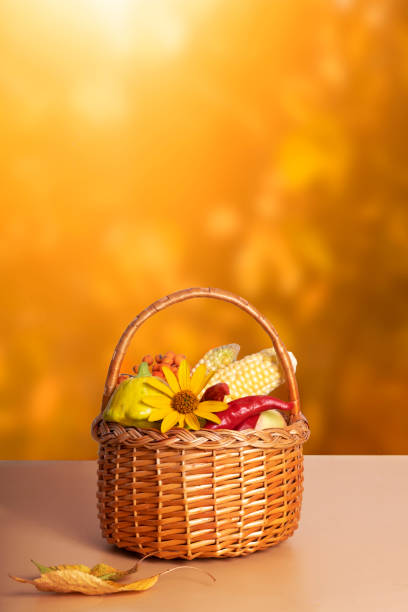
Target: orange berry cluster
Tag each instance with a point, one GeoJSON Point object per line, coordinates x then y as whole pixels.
{"type": "Point", "coordinates": [170, 359]}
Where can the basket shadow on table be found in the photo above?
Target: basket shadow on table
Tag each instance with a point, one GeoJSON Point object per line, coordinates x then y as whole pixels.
{"type": "Point", "coordinates": [275, 575]}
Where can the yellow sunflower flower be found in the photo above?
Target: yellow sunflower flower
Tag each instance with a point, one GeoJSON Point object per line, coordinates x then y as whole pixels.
{"type": "Point", "coordinates": [179, 403]}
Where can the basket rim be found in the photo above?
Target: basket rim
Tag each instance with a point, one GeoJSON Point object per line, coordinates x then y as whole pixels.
{"type": "Point", "coordinates": [112, 433]}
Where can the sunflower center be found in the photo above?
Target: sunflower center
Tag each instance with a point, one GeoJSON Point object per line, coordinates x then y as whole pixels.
{"type": "Point", "coordinates": [184, 402]}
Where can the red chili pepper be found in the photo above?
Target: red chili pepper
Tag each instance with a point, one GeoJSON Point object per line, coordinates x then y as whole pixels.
{"type": "Point", "coordinates": [216, 393]}
{"type": "Point", "coordinates": [241, 409]}
{"type": "Point", "coordinates": [249, 423]}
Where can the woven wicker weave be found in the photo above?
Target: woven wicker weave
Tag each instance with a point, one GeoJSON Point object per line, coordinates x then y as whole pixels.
{"type": "Point", "coordinates": [208, 493]}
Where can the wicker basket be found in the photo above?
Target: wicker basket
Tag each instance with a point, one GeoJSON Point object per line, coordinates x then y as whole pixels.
{"type": "Point", "coordinates": [190, 494]}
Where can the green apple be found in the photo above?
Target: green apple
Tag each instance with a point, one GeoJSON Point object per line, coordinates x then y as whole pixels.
{"type": "Point", "coordinates": [269, 419]}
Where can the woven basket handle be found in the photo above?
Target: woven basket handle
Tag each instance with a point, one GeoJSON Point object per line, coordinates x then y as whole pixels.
{"type": "Point", "coordinates": [187, 294]}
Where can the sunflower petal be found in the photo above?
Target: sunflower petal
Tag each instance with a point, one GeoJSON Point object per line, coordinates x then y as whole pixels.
{"type": "Point", "coordinates": [169, 421]}
{"type": "Point", "coordinates": [192, 421]}
{"type": "Point", "coordinates": [171, 379]}
{"type": "Point", "coordinates": [157, 401]}
{"type": "Point", "coordinates": [159, 413]}
{"type": "Point", "coordinates": [208, 378]}
{"type": "Point", "coordinates": [214, 406]}
{"type": "Point", "coordinates": [208, 415]}
{"type": "Point", "coordinates": [181, 420]}
{"type": "Point", "coordinates": [198, 378]}
{"type": "Point", "coordinates": [153, 381]}
{"type": "Point", "coordinates": [184, 375]}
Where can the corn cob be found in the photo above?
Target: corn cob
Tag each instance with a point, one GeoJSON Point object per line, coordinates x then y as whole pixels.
{"type": "Point", "coordinates": [219, 357]}
{"type": "Point", "coordinates": [256, 374]}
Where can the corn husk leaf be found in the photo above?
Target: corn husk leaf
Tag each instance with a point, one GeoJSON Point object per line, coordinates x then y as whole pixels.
{"type": "Point", "coordinates": [98, 580]}
{"type": "Point", "coordinates": [218, 357]}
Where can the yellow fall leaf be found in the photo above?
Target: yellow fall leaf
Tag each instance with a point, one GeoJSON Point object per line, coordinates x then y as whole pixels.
{"type": "Point", "coordinates": [98, 580]}
{"type": "Point", "coordinates": [44, 568]}
{"type": "Point", "coordinates": [101, 570]}
{"type": "Point", "coordinates": [77, 581]}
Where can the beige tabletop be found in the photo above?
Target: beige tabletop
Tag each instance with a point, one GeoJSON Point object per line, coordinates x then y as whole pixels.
{"type": "Point", "coordinates": [349, 553]}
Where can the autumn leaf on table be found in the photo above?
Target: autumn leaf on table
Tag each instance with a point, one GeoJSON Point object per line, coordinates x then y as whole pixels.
{"type": "Point", "coordinates": [98, 580]}
{"type": "Point", "coordinates": [101, 570]}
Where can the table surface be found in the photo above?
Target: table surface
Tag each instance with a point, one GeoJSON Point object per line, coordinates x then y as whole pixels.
{"type": "Point", "coordinates": [349, 552]}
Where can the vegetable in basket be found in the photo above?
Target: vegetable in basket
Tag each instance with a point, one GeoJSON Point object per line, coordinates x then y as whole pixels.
{"type": "Point", "coordinates": [270, 419]}
{"type": "Point", "coordinates": [256, 374]}
{"type": "Point", "coordinates": [178, 403]}
{"type": "Point", "coordinates": [219, 357]}
{"type": "Point", "coordinates": [126, 406]}
{"type": "Point", "coordinates": [241, 409]}
{"type": "Point", "coordinates": [249, 423]}
{"type": "Point", "coordinates": [266, 420]}
{"type": "Point", "coordinates": [216, 392]}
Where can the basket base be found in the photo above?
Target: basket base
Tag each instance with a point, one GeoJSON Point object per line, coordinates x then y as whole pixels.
{"type": "Point", "coordinates": [242, 552]}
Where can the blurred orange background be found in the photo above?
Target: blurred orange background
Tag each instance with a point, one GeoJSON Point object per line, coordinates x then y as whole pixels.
{"type": "Point", "coordinates": [151, 146]}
